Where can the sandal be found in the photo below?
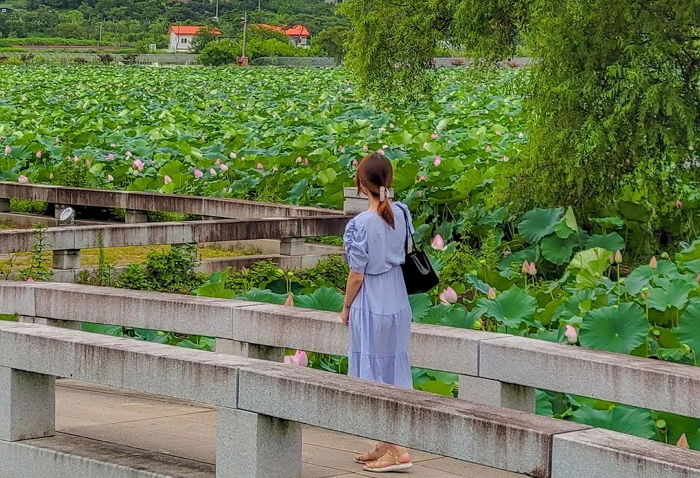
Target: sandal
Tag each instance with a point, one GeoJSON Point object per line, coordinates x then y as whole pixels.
{"type": "Point", "coordinates": [389, 462]}
{"type": "Point", "coordinates": [373, 455]}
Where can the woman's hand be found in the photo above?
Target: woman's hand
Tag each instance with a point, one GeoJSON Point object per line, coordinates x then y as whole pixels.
{"type": "Point", "coordinates": [345, 316]}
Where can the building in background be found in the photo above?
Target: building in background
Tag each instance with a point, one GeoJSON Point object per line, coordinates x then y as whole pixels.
{"type": "Point", "coordinates": [182, 36]}
{"type": "Point", "coordinates": [298, 35]}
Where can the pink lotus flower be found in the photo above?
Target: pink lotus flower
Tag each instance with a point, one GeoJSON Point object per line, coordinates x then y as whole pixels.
{"type": "Point", "coordinates": [421, 178]}
{"type": "Point", "coordinates": [138, 165]}
{"type": "Point", "coordinates": [232, 155]}
{"type": "Point", "coordinates": [110, 178]}
{"type": "Point", "coordinates": [506, 159]}
{"type": "Point", "coordinates": [224, 167]}
{"type": "Point", "coordinates": [30, 279]}
{"type": "Point", "coordinates": [198, 174]}
{"type": "Point", "coordinates": [438, 243]}
{"type": "Point", "coordinates": [653, 263]}
{"type": "Point", "coordinates": [212, 171]}
{"type": "Point", "coordinates": [354, 163]}
{"type": "Point", "coordinates": [22, 179]}
{"type": "Point", "coordinates": [260, 166]}
{"type": "Point", "coordinates": [167, 179]}
{"type": "Point", "coordinates": [435, 135]}
{"type": "Point", "coordinates": [679, 204]}
{"type": "Point", "coordinates": [299, 160]}
{"type": "Point", "coordinates": [39, 154]}
{"type": "Point", "coordinates": [128, 154]}
{"type": "Point", "coordinates": [290, 300]}
{"type": "Point", "coordinates": [618, 257]}
{"type": "Point", "coordinates": [448, 296]}
{"type": "Point", "coordinates": [110, 157]}
{"type": "Point", "coordinates": [299, 358]}
{"type": "Point", "coordinates": [529, 268]}
{"type": "Point", "coordinates": [8, 150]}
{"type": "Point", "coordinates": [683, 442]}
{"type": "Point", "coordinates": [571, 334]}
{"type": "Point", "coordinates": [491, 293]}
{"type": "Point", "coordinates": [437, 161]}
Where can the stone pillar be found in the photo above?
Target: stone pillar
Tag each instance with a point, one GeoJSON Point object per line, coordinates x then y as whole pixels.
{"type": "Point", "coordinates": [132, 216]}
{"type": "Point", "coordinates": [356, 203]}
{"type": "Point", "coordinates": [63, 324]}
{"type": "Point", "coordinates": [250, 445]}
{"type": "Point", "coordinates": [244, 349]}
{"type": "Point", "coordinates": [4, 205]}
{"type": "Point", "coordinates": [293, 246]}
{"type": "Point", "coordinates": [27, 405]}
{"type": "Point", "coordinates": [493, 392]}
{"type": "Point", "coordinates": [66, 259]}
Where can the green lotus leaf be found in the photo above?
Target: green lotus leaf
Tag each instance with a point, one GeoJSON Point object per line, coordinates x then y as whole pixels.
{"type": "Point", "coordinates": [638, 279]}
{"type": "Point", "coordinates": [689, 328]}
{"type": "Point", "coordinates": [615, 328]}
{"type": "Point", "coordinates": [690, 253]}
{"type": "Point", "coordinates": [633, 211]}
{"type": "Point", "coordinates": [266, 296]}
{"type": "Point", "coordinates": [512, 307]}
{"type": "Point", "coordinates": [613, 221]}
{"type": "Point", "coordinates": [420, 305]}
{"type": "Point", "coordinates": [675, 294]}
{"type": "Point", "coordinates": [611, 242]}
{"type": "Point", "coordinates": [557, 250]}
{"type": "Point", "coordinates": [563, 230]}
{"type": "Point", "coordinates": [538, 223]}
{"type": "Point", "coordinates": [623, 419]}
{"type": "Point", "coordinates": [323, 298]}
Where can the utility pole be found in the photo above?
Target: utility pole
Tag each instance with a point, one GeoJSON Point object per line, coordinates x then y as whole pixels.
{"type": "Point", "coordinates": [258, 5]}
{"type": "Point", "coordinates": [216, 16]}
{"type": "Point", "coordinates": [245, 28]}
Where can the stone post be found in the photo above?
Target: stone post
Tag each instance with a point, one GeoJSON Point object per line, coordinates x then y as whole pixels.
{"type": "Point", "coordinates": [132, 216]}
{"type": "Point", "coordinates": [244, 349]}
{"type": "Point", "coordinates": [66, 263]}
{"type": "Point", "coordinates": [4, 205]}
{"type": "Point", "coordinates": [493, 392]}
{"type": "Point", "coordinates": [292, 246]}
{"type": "Point", "coordinates": [250, 445]}
{"type": "Point", "coordinates": [27, 405]}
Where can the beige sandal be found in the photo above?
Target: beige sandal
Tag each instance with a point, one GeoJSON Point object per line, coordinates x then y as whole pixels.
{"type": "Point", "coordinates": [389, 462]}
{"type": "Point", "coordinates": [373, 455]}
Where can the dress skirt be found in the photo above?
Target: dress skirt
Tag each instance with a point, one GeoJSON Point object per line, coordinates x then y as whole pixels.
{"type": "Point", "coordinates": [380, 330]}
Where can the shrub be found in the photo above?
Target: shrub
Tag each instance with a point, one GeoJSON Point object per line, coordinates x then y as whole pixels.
{"type": "Point", "coordinates": [219, 53]}
{"type": "Point", "coordinates": [105, 58]}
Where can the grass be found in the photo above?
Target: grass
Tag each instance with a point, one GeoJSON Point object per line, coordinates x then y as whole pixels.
{"type": "Point", "coordinates": [120, 256]}
{"type": "Point", "coordinates": [4, 225]}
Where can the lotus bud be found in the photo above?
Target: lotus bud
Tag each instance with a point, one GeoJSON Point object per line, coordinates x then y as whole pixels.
{"type": "Point", "coordinates": [22, 179]}
{"type": "Point", "coordinates": [683, 442]}
{"type": "Point", "coordinates": [532, 269]}
{"type": "Point", "coordinates": [653, 263]}
{"type": "Point", "coordinates": [365, 147]}
{"type": "Point", "coordinates": [354, 163]}
{"type": "Point", "coordinates": [30, 280]}
{"type": "Point", "coordinates": [435, 135]}
{"type": "Point", "coordinates": [438, 243]}
{"type": "Point", "coordinates": [421, 178]}
{"type": "Point", "coordinates": [506, 159]}
{"type": "Point", "coordinates": [525, 268]}
{"type": "Point", "coordinates": [381, 151]}
{"type": "Point", "coordinates": [232, 155]}
{"type": "Point", "coordinates": [491, 293]}
{"type": "Point", "coordinates": [260, 166]}
{"type": "Point", "coordinates": [618, 257]}
{"type": "Point", "coordinates": [110, 178]}
{"type": "Point", "coordinates": [212, 171]}
{"type": "Point", "coordinates": [299, 160]}
{"type": "Point", "coordinates": [290, 300]}
{"type": "Point", "coordinates": [679, 204]}
{"type": "Point", "coordinates": [217, 162]}
{"type": "Point", "coordinates": [167, 179]}
{"type": "Point", "coordinates": [197, 173]}
{"type": "Point", "coordinates": [644, 293]}
{"type": "Point", "coordinates": [571, 334]}
{"type": "Point", "coordinates": [110, 157]}
{"type": "Point", "coordinates": [224, 167]}
{"type": "Point", "coordinates": [448, 296]}
{"type": "Point", "coordinates": [8, 150]}
{"type": "Point", "coordinates": [488, 149]}
{"type": "Point", "coordinates": [39, 154]}
{"type": "Point", "coordinates": [437, 160]}
{"type": "Point", "coordinates": [138, 165]}
{"type": "Point", "coordinates": [128, 154]}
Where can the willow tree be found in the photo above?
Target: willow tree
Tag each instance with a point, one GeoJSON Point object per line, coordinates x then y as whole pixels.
{"type": "Point", "coordinates": [612, 97]}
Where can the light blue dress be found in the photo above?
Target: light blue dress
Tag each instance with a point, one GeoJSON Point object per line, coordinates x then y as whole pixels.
{"type": "Point", "coordinates": [380, 315]}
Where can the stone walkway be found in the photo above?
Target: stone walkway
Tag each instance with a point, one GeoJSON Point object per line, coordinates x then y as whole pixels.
{"type": "Point", "coordinates": [188, 431]}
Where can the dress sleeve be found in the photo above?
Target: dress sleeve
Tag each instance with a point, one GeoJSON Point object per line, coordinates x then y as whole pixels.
{"type": "Point", "coordinates": [356, 249]}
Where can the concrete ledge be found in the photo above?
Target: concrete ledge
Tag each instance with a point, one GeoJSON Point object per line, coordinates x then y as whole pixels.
{"type": "Point", "coordinates": [142, 366]}
{"type": "Point", "coordinates": [598, 453]}
{"type": "Point", "coordinates": [146, 201]}
{"type": "Point", "coordinates": [491, 436]}
{"type": "Point", "coordinates": [609, 376]}
{"type": "Point", "coordinates": [83, 237]}
{"type": "Point", "coordinates": [76, 457]}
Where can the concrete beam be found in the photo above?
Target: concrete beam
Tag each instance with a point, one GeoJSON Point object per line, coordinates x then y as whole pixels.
{"type": "Point", "coordinates": [598, 453]}
{"type": "Point", "coordinates": [609, 376]}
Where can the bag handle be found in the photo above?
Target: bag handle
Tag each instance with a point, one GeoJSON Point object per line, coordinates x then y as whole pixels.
{"type": "Point", "coordinates": [408, 230]}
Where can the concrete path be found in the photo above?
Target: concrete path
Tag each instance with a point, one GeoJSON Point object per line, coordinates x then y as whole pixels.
{"type": "Point", "coordinates": [187, 431]}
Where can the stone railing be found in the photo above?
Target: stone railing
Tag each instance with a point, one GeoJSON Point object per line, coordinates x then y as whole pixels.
{"type": "Point", "coordinates": [262, 404]}
{"type": "Point", "coordinates": [494, 369]}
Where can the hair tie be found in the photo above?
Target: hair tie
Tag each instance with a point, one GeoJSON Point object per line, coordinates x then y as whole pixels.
{"type": "Point", "coordinates": [382, 194]}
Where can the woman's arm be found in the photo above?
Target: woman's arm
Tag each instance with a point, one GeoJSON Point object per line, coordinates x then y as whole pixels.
{"type": "Point", "coordinates": [355, 280]}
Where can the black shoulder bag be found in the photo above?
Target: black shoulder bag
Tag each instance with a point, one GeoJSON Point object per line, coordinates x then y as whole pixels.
{"type": "Point", "coordinates": [418, 272]}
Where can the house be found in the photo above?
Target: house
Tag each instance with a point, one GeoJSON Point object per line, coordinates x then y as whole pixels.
{"type": "Point", "coordinates": [298, 35]}
{"type": "Point", "coordinates": [6, 9]}
{"type": "Point", "coordinates": [182, 36]}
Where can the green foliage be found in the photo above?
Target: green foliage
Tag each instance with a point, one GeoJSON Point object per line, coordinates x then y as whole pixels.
{"type": "Point", "coordinates": [333, 42]}
{"type": "Point", "coordinates": [219, 53]}
{"type": "Point", "coordinates": [39, 268]}
{"type": "Point", "coordinates": [204, 36]}
{"type": "Point", "coordinates": [332, 272]}
{"type": "Point", "coordinates": [174, 271]}
{"type": "Point", "coordinates": [74, 172]}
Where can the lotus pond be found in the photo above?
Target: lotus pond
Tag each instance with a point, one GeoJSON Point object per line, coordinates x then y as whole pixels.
{"type": "Point", "coordinates": [624, 279]}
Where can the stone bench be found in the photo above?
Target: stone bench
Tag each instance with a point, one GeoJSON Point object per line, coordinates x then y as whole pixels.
{"type": "Point", "coordinates": [495, 369]}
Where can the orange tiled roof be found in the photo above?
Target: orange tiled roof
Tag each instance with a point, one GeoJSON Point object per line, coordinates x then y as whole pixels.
{"type": "Point", "coordinates": [189, 30]}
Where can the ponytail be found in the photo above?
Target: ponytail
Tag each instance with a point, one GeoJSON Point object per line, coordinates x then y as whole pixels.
{"type": "Point", "coordinates": [376, 175]}
{"type": "Point", "coordinates": [386, 213]}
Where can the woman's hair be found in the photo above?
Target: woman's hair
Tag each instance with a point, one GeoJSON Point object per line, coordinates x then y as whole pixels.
{"type": "Point", "coordinates": [376, 175]}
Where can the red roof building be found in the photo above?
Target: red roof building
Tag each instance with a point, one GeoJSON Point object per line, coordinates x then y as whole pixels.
{"type": "Point", "coordinates": [181, 36]}
{"type": "Point", "coordinates": [298, 35]}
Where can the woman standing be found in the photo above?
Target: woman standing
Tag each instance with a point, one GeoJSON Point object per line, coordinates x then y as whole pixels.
{"type": "Point", "coordinates": [376, 306]}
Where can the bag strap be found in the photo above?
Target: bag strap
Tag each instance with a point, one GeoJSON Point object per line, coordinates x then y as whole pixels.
{"type": "Point", "coordinates": [408, 230]}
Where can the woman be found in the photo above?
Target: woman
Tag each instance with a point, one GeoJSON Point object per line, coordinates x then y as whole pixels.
{"type": "Point", "coordinates": [376, 306]}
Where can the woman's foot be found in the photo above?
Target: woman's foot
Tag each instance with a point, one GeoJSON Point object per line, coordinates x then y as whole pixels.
{"type": "Point", "coordinates": [395, 459]}
{"type": "Point", "coordinates": [374, 454]}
